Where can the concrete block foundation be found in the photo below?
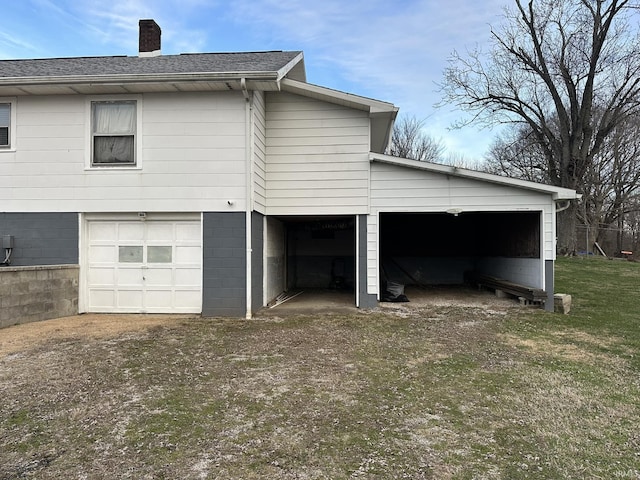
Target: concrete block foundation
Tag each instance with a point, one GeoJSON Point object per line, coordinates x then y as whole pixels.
{"type": "Point", "coordinates": [31, 294]}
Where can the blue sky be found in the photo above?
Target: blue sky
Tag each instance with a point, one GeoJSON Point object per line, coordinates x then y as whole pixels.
{"type": "Point", "coordinates": [394, 51]}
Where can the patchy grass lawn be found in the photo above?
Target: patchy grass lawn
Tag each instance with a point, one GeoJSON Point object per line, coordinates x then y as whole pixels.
{"type": "Point", "coordinates": [435, 392]}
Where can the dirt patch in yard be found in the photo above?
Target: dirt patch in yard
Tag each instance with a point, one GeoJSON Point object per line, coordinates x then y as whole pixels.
{"type": "Point", "coordinates": [95, 326]}
{"type": "Point", "coordinates": [90, 326]}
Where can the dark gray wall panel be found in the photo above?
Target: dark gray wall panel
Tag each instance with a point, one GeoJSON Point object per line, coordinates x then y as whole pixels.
{"type": "Point", "coordinates": [41, 238]}
{"type": "Point", "coordinates": [257, 267]}
{"type": "Point", "coordinates": [224, 264]}
{"type": "Point", "coordinates": [549, 284]}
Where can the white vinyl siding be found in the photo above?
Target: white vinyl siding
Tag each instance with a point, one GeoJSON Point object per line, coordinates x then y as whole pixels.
{"type": "Point", "coordinates": [396, 188]}
{"type": "Point", "coordinates": [259, 153]}
{"type": "Point", "coordinates": [192, 147]}
{"type": "Point", "coordinates": [317, 157]}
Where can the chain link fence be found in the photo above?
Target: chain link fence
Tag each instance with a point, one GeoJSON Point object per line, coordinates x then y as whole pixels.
{"type": "Point", "coordinates": [614, 242]}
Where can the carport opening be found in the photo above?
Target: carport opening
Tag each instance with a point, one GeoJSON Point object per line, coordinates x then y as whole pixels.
{"type": "Point", "coordinates": [311, 254]}
{"type": "Point", "coordinates": [438, 249]}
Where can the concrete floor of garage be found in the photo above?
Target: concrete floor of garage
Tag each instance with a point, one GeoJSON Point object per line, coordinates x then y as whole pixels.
{"type": "Point", "coordinates": [312, 301]}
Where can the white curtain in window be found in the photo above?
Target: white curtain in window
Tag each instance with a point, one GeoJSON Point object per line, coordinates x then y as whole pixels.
{"type": "Point", "coordinates": [114, 125]}
{"type": "Point", "coordinates": [114, 118]}
{"type": "Point", "coordinates": [5, 120]}
{"type": "Point", "coordinates": [5, 114]}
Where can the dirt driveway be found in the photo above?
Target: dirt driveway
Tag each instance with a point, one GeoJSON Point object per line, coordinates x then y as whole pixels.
{"type": "Point", "coordinates": [91, 325]}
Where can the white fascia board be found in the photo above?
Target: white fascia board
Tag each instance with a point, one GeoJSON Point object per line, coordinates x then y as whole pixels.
{"type": "Point", "coordinates": [335, 96]}
{"type": "Point", "coordinates": [558, 193]}
{"type": "Point", "coordinates": [137, 78]}
{"type": "Point", "coordinates": [298, 61]}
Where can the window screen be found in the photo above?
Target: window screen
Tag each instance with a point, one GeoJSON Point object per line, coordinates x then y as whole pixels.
{"type": "Point", "coordinates": [5, 121]}
{"type": "Point", "coordinates": [113, 131]}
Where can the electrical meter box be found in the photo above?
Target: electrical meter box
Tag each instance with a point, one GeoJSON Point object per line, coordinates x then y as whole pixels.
{"type": "Point", "coordinates": [7, 241]}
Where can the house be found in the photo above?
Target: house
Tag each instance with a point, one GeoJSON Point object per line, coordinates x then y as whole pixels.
{"type": "Point", "coordinates": [211, 183]}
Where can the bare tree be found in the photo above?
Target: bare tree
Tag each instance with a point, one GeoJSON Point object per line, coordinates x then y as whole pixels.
{"type": "Point", "coordinates": [516, 153]}
{"type": "Point", "coordinates": [460, 160]}
{"type": "Point", "coordinates": [551, 66]}
{"type": "Point", "coordinates": [410, 141]}
{"type": "Point", "coordinates": [610, 185]}
{"type": "Point", "coordinates": [633, 226]}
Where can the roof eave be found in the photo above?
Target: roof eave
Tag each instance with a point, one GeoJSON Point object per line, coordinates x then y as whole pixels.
{"type": "Point", "coordinates": [335, 96]}
{"type": "Point", "coordinates": [294, 69]}
{"type": "Point", "coordinates": [137, 78]}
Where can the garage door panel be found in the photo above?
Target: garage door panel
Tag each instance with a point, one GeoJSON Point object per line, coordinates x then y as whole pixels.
{"type": "Point", "coordinates": [130, 300]}
{"type": "Point", "coordinates": [184, 298]}
{"type": "Point", "coordinates": [159, 277]}
{"type": "Point", "coordinates": [102, 298]}
{"type": "Point", "coordinates": [188, 254]}
{"type": "Point", "coordinates": [105, 276]}
{"type": "Point", "coordinates": [160, 232]}
{"type": "Point", "coordinates": [187, 277]}
{"type": "Point", "coordinates": [103, 254]}
{"type": "Point", "coordinates": [188, 232]}
{"type": "Point", "coordinates": [159, 299]}
{"type": "Point", "coordinates": [102, 231]}
{"type": "Point", "coordinates": [130, 277]}
{"type": "Point", "coordinates": [131, 232]}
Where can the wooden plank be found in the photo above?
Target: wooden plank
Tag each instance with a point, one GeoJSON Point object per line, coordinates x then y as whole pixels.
{"type": "Point", "coordinates": [530, 293]}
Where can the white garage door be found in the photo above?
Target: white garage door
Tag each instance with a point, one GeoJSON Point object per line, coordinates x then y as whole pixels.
{"type": "Point", "coordinates": [144, 266]}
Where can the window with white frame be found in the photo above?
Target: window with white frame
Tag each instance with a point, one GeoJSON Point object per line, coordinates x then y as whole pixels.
{"type": "Point", "coordinates": [5, 125]}
{"type": "Point", "coordinates": [113, 133]}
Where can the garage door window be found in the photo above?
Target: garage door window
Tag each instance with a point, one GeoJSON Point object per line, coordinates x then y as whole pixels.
{"type": "Point", "coordinates": [130, 254]}
{"type": "Point", "coordinates": [158, 254]}
{"type": "Point", "coordinates": [135, 254]}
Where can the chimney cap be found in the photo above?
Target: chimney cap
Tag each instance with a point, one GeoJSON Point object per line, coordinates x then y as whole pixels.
{"type": "Point", "coordinates": [149, 38]}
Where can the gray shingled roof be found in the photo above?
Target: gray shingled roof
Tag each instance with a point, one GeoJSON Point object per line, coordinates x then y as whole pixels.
{"type": "Point", "coordinates": [252, 62]}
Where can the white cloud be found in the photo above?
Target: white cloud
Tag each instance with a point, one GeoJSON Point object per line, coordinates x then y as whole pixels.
{"type": "Point", "coordinates": [9, 42]}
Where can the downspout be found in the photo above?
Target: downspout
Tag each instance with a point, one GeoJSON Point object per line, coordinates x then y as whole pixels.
{"type": "Point", "coordinates": [563, 208]}
{"type": "Point", "coordinates": [249, 189]}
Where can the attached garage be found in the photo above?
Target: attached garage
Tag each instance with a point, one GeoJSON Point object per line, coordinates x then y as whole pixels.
{"type": "Point", "coordinates": [310, 253]}
{"type": "Point", "coordinates": [440, 248]}
{"type": "Point", "coordinates": [430, 224]}
{"type": "Point", "coordinates": [141, 263]}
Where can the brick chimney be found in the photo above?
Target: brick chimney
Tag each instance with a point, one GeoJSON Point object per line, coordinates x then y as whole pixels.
{"type": "Point", "coordinates": [149, 40]}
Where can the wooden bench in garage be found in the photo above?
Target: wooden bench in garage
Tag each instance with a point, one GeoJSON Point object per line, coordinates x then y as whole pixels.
{"type": "Point", "coordinates": [535, 295]}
